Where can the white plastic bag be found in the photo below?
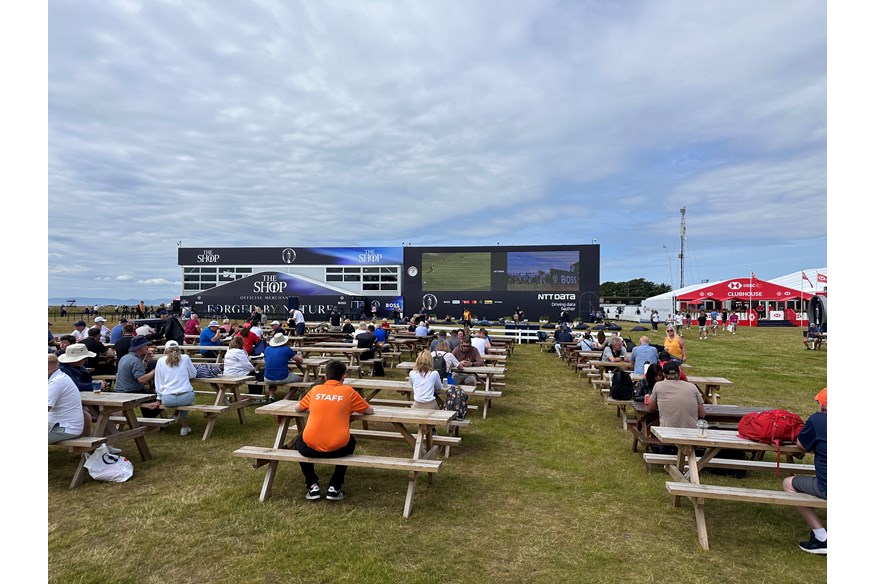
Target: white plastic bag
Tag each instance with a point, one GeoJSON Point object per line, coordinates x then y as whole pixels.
{"type": "Point", "coordinates": [103, 466]}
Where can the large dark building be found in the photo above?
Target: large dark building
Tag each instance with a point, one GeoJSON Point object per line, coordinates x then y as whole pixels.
{"type": "Point", "coordinates": [491, 282]}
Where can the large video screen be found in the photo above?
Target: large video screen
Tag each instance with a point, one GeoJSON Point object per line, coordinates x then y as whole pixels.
{"type": "Point", "coordinates": [463, 271]}
{"type": "Point", "coordinates": [543, 271]}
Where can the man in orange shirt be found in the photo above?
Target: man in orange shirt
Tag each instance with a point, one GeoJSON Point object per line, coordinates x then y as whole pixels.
{"type": "Point", "coordinates": [327, 433]}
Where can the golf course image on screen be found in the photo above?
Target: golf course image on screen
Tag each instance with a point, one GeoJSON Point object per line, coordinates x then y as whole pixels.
{"type": "Point", "coordinates": [458, 271]}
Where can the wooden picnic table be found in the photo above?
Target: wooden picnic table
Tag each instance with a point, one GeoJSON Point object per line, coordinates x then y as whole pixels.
{"type": "Point", "coordinates": [376, 385]}
{"type": "Point", "coordinates": [487, 372]}
{"type": "Point", "coordinates": [708, 386]}
{"type": "Point", "coordinates": [228, 399]}
{"type": "Point", "coordinates": [353, 354]}
{"type": "Point", "coordinates": [688, 483]}
{"type": "Point", "coordinates": [107, 404]}
{"type": "Point", "coordinates": [421, 443]}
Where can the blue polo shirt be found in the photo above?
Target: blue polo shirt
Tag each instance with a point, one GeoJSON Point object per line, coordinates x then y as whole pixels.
{"type": "Point", "coordinates": [277, 361]}
{"type": "Point", "coordinates": [205, 339]}
{"type": "Point", "coordinates": [813, 437]}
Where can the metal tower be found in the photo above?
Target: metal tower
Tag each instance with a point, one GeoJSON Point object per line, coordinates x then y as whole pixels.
{"type": "Point", "coordinates": [683, 233]}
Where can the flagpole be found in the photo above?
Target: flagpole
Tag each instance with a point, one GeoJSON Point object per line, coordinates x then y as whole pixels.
{"type": "Point", "coordinates": [750, 305]}
{"type": "Point", "coordinates": [802, 273]}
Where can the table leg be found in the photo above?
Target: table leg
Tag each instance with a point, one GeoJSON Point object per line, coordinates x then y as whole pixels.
{"type": "Point", "coordinates": [409, 497]}
{"type": "Point", "coordinates": [486, 405]}
{"type": "Point", "coordinates": [211, 422]}
{"type": "Point", "coordinates": [131, 417]}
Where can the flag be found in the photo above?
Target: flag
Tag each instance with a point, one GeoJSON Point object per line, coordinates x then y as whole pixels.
{"type": "Point", "coordinates": [755, 281]}
{"type": "Point", "coordinates": [807, 279]}
{"type": "Point", "coordinates": [821, 277]}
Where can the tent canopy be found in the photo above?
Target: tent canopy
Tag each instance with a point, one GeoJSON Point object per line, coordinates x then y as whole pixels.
{"type": "Point", "coordinates": [743, 289]}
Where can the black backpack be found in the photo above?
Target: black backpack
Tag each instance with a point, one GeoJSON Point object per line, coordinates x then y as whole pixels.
{"type": "Point", "coordinates": [439, 365]}
{"type": "Point", "coordinates": [457, 400]}
{"type": "Point", "coordinates": [621, 385]}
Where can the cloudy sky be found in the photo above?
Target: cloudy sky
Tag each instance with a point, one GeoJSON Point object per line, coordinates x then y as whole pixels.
{"type": "Point", "coordinates": [340, 123]}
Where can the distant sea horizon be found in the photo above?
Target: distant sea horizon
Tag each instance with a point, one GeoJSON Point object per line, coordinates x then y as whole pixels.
{"type": "Point", "coordinates": [91, 301]}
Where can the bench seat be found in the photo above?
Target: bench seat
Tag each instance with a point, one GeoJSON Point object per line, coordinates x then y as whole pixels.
{"type": "Point", "coordinates": [699, 493]}
{"type": "Point", "coordinates": [729, 463]}
{"type": "Point", "coordinates": [273, 456]}
{"type": "Point", "coordinates": [154, 423]}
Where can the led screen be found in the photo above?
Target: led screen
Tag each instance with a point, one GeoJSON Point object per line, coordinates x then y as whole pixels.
{"type": "Point", "coordinates": [542, 271]}
{"type": "Point", "coordinates": [462, 271]}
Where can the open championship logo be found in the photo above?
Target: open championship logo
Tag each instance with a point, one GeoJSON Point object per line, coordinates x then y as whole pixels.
{"type": "Point", "coordinates": [289, 255]}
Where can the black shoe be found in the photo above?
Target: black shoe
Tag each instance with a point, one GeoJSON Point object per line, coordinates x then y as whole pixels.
{"type": "Point", "coordinates": [271, 400]}
{"type": "Point", "coordinates": [334, 494]}
{"type": "Point", "coordinates": [313, 492]}
{"type": "Point", "coordinates": [813, 546]}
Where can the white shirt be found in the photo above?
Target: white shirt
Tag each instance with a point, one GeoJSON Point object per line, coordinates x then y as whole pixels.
{"type": "Point", "coordinates": [80, 336]}
{"type": "Point", "coordinates": [237, 362]}
{"type": "Point", "coordinates": [174, 380]}
{"type": "Point", "coordinates": [66, 403]}
{"type": "Point", "coordinates": [480, 344]}
{"type": "Point", "coordinates": [258, 331]}
{"type": "Point", "coordinates": [451, 361]}
{"type": "Point", "coordinates": [298, 316]}
{"type": "Point", "coordinates": [424, 385]}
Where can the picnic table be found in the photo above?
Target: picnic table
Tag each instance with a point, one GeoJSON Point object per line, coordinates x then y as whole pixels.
{"type": "Point", "coordinates": [486, 371]}
{"type": "Point", "coordinates": [685, 470]}
{"type": "Point", "coordinates": [228, 399]}
{"type": "Point", "coordinates": [103, 431]}
{"type": "Point", "coordinates": [725, 415]}
{"type": "Point", "coordinates": [353, 354]}
{"type": "Point", "coordinates": [375, 386]}
{"type": "Point", "coordinates": [708, 386]}
{"type": "Point", "coordinates": [421, 443]}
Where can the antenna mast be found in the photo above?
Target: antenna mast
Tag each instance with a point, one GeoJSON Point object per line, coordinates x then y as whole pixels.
{"type": "Point", "coordinates": [683, 233]}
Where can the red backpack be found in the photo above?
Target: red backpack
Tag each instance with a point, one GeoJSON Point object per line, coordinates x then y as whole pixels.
{"type": "Point", "coordinates": [771, 427]}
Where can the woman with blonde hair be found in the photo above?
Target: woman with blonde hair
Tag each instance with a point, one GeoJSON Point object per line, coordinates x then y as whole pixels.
{"type": "Point", "coordinates": [425, 381]}
{"type": "Point", "coordinates": [173, 387]}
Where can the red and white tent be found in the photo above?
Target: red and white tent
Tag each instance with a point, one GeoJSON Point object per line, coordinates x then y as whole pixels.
{"type": "Point", "coordinates": [743, 290]}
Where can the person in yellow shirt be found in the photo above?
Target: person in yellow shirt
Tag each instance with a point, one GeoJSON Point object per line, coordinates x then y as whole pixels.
{"type": "Point", "coordinates": [674, 345]}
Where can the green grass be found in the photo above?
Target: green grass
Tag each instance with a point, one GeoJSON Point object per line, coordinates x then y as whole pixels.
{"type": "Point", "coordinates": [545, 489]}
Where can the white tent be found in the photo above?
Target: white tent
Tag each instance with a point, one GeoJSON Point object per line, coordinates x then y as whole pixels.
{"type": "Point", "coordinates": [664, 303]}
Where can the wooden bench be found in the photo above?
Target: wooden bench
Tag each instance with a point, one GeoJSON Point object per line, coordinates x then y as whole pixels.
{"type": "Point", "coordinates": [621, 405]}
{"type": "Point", "coordinates": [80, 447]}
{"type": "Point", "coordinates": [699, 493]}
{"type": "Point", "coordinates": [262, 456]}
{"type": "Point", "coordinates": [151, 424]}
{"type": "Point", "coordinates": [729, 463]}
{"type": "Point", "coordinates": [211, 413]}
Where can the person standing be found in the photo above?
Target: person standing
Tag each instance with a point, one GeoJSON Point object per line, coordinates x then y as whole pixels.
{"type": "Point", "coordinates": [674, 345]}
{"type": "Point", "coordinates": [655, 319]}
{"type": "Point", "coordinates": [327, 433]}
{"type": "Point", "coordinates": [171, 329]}
{"type": "Point", "coordinates": [701, 321]}
{"type": "Point", "coordinates": [298, 319]}
{"type": "Point", "coordinates": [734, 321]}
{"type": "Point", "coordinates": [813, 438]}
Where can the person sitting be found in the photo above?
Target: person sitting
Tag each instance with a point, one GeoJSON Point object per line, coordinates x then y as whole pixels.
{"type": "Point", "coordinates": [278, 355]}
{"type": "Point", "coordinates": [236, 362]}
{"type": "Point", "coordinates": [327, 433]}
{"type": "Point", "coordinates": [210, 337]}
{"type": "Point", "coordinates": [645, 386]}
{"type": "Point", "coordinates": [467, 356]}
{"type": "Point", "coordinates": [663, 357]}
{"type": "Point", "coordinates": [101, 363]}
{"type": "Point", "coordinates": [425, 381]}
{"type": "Point", "coordinates": [642, 355]}
{"type": "Point", "coordinates": [679, 403]}
{"type": "Point", "coordinates": [123, 345]}
{"type": "Point", "coordinates": [173, 387]}
{"type": "Point", "coordinates": [117, 331]}
{"type": "Point", "coordinates": [422, 329]}
{"type": "Point", "coordinates": [381, 335]}
{"type": "Point", "coordinates": [365, 339]}
{"type": "Point", "coordinates": [79, 332]}
{"type": "Point", "coordinates": [615, 351]}
{"type": "Point", "coordinates": [813, 438]}
{"type": "Point", "coordinates": [586, 342]}
{"type": "Point", "coordinates": [64, 341]}
{"type": "Point", "coordinates": [67, 419]}
{"type": "Point", "coordinates": [193, 328]}
{"type": "Point", "coordinates": [480, 342]}
{"type": "Point", "coordinates": [100, 324]}
{"type": "Point", "coordinates": [561, 335]}
{"type": "Point", "coordinates": [348, 329]}
{"type": "Point", "coordinates": [442, 349]}
{"type": "Point", "coordinates": [812, 336]}
{"type": "Point", "coordinates": [600, 343]}
{"type": "Point", "coordinates": [454, 339]}
{"type": "Point", "coordinates": [132, 375]}
{"type": "Point", "coordinates": [250, 339]}
{"type": "Point", "coordinates": [73, 365]}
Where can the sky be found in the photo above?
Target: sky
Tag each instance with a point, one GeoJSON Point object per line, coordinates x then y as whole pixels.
{"type": "Point", "coordinates": [340, 123]}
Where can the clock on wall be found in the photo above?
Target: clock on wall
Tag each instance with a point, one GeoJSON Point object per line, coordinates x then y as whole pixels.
{"type": "Point", "coordinates": [413, 271]}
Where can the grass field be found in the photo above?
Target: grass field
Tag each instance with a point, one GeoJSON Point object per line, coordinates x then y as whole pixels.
{"type": "Point", "coordinates": [463, 272]}
{"type": "Point", "coordinates": [544, 490]}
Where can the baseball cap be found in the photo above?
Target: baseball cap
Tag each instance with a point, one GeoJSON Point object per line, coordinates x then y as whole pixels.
{"type": "Point", "coordinates": [123, 319]}
{"type": "Point", "coordinates": [80, 323]}
{"type": "Point", "coordinates": [213, 323]}
{"type": "Point", "coordinates": [275, 322]}
{"type": "Point", "coordinates": [100, 319]}
{"type": "Point", "coordinates": [670, 367]}
{"type": "Point", "coordinates": [138, 342]}
{"type": "Point", "coordinates": [821, 397]}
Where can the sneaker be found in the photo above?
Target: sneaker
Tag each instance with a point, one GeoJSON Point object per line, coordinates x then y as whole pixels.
{"type": "Point", "coordinates": [313, 492]}
{"type": "Point", "coordinates": [813, 546]}
{"type": "Point", "coordinates": [184, 431]}
{"type": "Point", "coordinates": [113, 449]}
{"type": "Point", "coordinates": [334, 494]}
